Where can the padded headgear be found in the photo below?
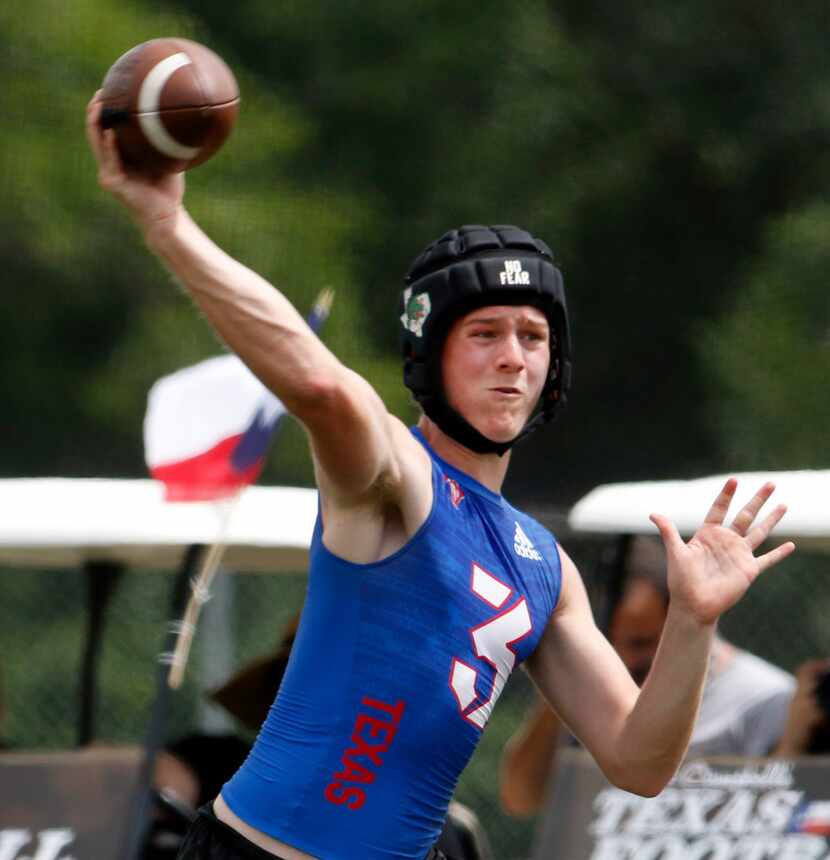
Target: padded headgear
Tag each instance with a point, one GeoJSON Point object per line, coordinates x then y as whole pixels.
{"type": "Point", "coordinates": [469, 268]}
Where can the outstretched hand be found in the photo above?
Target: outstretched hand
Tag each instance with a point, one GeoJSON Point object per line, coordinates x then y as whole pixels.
{"type": "Point", "coordinates": [150, 200]}
{"type": "Point", "coordinates": [710, 573]}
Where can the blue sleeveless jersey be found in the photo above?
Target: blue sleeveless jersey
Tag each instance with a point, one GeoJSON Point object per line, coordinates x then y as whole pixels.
{"type": "Point", "coordinates": [392, 677]}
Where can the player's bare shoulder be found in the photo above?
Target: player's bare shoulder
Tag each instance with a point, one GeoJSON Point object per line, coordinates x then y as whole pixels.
{"type": "Point", "coordinates": [412, 464]}
{"type": "Point", "coordinates": [372, 525]}
{"type": "Point", "coordinates": [573, 588]}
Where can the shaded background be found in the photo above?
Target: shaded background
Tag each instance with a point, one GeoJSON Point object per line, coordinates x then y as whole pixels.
{"type": "Point", "coordinates": [673, 154]}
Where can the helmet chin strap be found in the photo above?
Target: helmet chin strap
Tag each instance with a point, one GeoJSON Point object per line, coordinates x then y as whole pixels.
{"type": "Point", "coordinates": [457, 427]}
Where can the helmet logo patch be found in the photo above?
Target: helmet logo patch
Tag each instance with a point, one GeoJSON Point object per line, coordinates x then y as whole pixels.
{"type": "Point", "coordinates": [416, 310]}
{"type": "Point", "coordinates": [513, 274]}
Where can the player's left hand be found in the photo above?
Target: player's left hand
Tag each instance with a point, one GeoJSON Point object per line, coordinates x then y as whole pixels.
{"type": "Point", "coordinates": [710, 573]}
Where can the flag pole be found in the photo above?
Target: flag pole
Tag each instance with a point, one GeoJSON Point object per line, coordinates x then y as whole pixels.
{"type": "Point", "coordinates": [199, 596]}
{"type": "Point", "coordinates": [200, 585]}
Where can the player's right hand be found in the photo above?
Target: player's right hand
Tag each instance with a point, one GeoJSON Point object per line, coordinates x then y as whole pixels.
{"type": "Point", "coordinates": [151, 201]}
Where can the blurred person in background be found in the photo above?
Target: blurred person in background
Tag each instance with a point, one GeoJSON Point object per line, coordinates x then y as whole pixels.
{"type": "Point", "coordinates": [807, 731]}
{"type": "Point", "coordinates": [742, 713]}
{"type": "Point", "coordinates": [426, 587]}
{"type": "Point", "coordinates": [189, 772]}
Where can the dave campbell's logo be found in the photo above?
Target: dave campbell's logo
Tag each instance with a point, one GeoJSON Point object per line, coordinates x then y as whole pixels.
{"type": "Point", "coordinates": [514, 275]}
{"type": "Point", "coordinates": [456, 493]}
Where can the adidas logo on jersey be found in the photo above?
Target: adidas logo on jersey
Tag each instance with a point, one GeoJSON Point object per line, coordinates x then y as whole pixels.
{"type": "Point", "coordinates": [523, 546]}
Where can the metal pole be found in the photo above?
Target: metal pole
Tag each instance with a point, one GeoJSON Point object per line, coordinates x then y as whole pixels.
{"type": "Point", "coordinates": [140, 817]}
{"type": "Point", "coordinates": [102, 578]}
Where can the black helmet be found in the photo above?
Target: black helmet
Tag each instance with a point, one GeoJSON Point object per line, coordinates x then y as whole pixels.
{"type": "Point", "coordinates": [466, 269]}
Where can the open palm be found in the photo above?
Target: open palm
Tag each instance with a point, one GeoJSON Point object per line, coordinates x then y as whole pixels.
{"type": "Point", "coordinates": [710, 573]}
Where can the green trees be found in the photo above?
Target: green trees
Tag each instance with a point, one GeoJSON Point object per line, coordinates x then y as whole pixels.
{"type": "Point", "coordinates": [653, 149]}
{"type": "Point", "coordinates": [770, 354]}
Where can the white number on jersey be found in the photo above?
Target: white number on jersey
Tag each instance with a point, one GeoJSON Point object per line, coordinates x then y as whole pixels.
{"type": "Point", "coordinates": [491, 643]}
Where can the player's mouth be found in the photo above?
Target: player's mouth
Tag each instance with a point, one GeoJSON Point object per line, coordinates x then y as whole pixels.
{"type": "Point", "coordinates": [507, 390]}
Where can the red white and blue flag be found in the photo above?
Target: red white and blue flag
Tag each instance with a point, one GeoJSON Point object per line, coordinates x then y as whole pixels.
{"type": "Point", "coordinates": [208, 427]}
{"type": "Point", "coordinates": [813, 817]}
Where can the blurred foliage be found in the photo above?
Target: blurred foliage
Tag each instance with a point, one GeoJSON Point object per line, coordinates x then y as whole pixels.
{"type": "Point", "coordinates": [98, 321]}
{"type": "Point", "coordinates": [770, 354]}
{"type": "Point", "coordinates": [652, 147]}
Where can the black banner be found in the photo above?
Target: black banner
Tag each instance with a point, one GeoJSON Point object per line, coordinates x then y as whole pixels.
{"type": "Point", "coordinates": [66, 805]}
{"type": "Point", "coordinates": [714, 809]}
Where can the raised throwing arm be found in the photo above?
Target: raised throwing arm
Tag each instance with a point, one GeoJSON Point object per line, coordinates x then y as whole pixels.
{"type": "Point", "coordinates": [356, 444]}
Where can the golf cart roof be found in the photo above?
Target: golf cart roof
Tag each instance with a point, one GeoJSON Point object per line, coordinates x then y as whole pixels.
{"type": "Point", "coordinates": [624, 508]}
{"type": "Point", "coordinates": [66, 522]}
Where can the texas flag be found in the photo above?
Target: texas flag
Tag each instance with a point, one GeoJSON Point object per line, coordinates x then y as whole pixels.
{"type": "Point", "coordinates": [813, 817]}
{"type": "Point", "coordinates": [208, 427]}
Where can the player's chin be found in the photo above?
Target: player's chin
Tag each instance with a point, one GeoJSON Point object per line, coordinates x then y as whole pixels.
{"type": "Point", "coordinates": [501, 427]}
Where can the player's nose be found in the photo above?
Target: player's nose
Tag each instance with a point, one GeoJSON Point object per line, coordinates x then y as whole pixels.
{"type": "Point", "coordinates": [510, 355]}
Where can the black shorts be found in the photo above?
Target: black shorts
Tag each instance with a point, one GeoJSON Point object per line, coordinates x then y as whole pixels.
{"type": "Point", "coordinates": [211, 839]}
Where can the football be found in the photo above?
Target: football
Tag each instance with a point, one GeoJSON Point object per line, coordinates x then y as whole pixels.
{"type": "Point", "coordinates": [172, 103]}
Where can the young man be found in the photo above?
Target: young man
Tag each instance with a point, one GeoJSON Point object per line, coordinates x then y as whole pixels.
{"type": "Point", "coordinates": [426, 587]}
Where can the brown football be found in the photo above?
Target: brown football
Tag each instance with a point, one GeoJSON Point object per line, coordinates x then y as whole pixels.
{"type": "Point", "coordinates": [172, 102]}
